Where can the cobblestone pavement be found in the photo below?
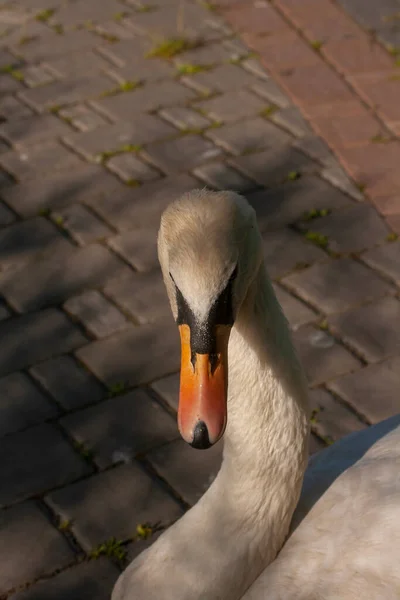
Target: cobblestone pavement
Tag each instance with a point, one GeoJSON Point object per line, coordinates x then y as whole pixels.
{"type": "Point", "coordinates": [101, 126]}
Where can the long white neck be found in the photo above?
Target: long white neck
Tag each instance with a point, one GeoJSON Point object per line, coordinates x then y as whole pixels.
{"type": "Point", "coordinates": [221, 545]}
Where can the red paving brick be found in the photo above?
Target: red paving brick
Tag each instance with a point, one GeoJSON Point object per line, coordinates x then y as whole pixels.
{"type": "Point", "coordinates": [282, 51]}
{"type": "Point", "coordinates": [357, 55]}
{"type": "Point", "coordinates": [345, 131]}
{"type": "Point", "coordinates": [256, 19]}
{"type": "Point", "coordinates": [381, 91]}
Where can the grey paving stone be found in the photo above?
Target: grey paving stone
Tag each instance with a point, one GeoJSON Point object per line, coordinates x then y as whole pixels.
{"type": "Point", "coordinates": [370, 14]}
{"type": "Point", "coordinates": [82, 225]}
{"type": "Point", "coordinates": [32, 469]}
{"type": "Point", "coordinates": [125, 106]}
{"type": "Point", "coordinates": [220, 176]}
{"type": "Point", "coordinates": [27, 240]}
{"type": "Point", "coordinates": [31, 338]}
{"type": "Point", "coordinates": [255, 67]}
{"type": "Point", "coordinates": [71, 385]}
{"type": "Point", "coordinates": [372, 391]}
{"type": "Point", "coordinates": [5, 312]}
{"type": "Point", "coordinates": [247, 136]}
{"type": "Point", "coordinates": [221, 79]}
{"type": "Point", "coordinates": [287, 203]}
{"type": "Point", "coordinates": [385, 259]}
{"type": "Point", "coordinates": [11, 108]}
{"type": "Point", "coordinates": [43, 47]}
{"type": "Point", "coordinates": [116, 30]}
{"type": "Point", "coordinates": [286, 251]}
{"type": "Point", "coordinates": [138, 248]}
{"type": "Point", "coordinates": [110, 138]}
{"type": "Point", "coordinates": [96, 313]}
{"type": "Point", "coordinates": [112, 504]}
{"type": "Point", "coordinates": [321, 357]}
{"type": "Point", "coordinates": [338, 285]}
{"type": "Point", "coordinates": [295, 311]}
{"type": "Point", "coordinates": [122, 427]}
{"type": "Point", "coordinates": [184, 118]}
{"type": "Point", "coordinates": [232, 106]}
{"type": "Point", "coordinates": [270, 91]}
{"type": "Point", "coordinates": [82, 11]}
{"type": "Point", "coordinates": [330, 418]}
{"type": "Point", "coordinates": [209, 54]}
{"type": "Point", "coordinates": [23, 559]}
{"type": "Point", "coordinates": [291, 119]}
{"type": "Point", "coordinates": [141, 295]}
{"type": "Point", "coordinates": [9, 85]}
{"type": "Point", "coordinates": [85, 183]}
{"type": "Point", "coordinates": [121, 357]}
{"type": "Point", "coordinates": [177, 461]}
{"type": "Point", "coordinates": [35, 75]}
{"type": "Point", "coordinates": [168, 389]}
{"type": "Point", "coordinates": [65, 92]}
{"type": "Point", "coordinates": [134, 67]}
{"type": "Point", "coordinates": [6, 215]}
{"type": "Point", "coordinates": [7, 59]}
{"type": "Point", "coordinates": [338, 177]}
{"type": "Point", "coordinates": [315, 147]}
{"type": "Point", "coordinates": [181, 154]}
{"type": "Point", "coordinates": [351, 230]}
{"type": "Point", "coordinates": [126, 52]}
{"type": "Point", "coordinates": [130, 168]}
{"type": "Point", "coordinates": [374, 330]}
{"type": "Point", "coordinates": [31, 162]}
{"type": "Point", "coordinates": [71, 65]}
{"type": "Point", "coordinates": [94, 579]}
{"type": "Point", "coordinates": [55, 279]}
{"type": "Point", "coordinates": [22, 404]}
{"type": "Point", "coordinates": [82, 117]}
{"type": "Point", "coordinates": [274, 165]}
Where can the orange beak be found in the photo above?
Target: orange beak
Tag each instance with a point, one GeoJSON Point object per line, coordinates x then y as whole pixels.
{"type": "Point", "coordinates": [203, 390]}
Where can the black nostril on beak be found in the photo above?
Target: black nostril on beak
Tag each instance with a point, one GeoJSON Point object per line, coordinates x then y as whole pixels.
{"type": "Point", "coordinates": [201, 441]}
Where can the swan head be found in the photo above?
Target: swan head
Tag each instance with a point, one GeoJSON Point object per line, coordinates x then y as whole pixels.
{"type": "Point", "coordinates": [209, 249]}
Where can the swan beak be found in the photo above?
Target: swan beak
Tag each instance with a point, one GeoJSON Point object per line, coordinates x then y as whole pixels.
{"type": "Point", "coordinates": [202, 408]}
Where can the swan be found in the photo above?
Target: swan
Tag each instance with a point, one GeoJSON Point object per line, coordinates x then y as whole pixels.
{"type": "Point", "coordinates": [241, 378]}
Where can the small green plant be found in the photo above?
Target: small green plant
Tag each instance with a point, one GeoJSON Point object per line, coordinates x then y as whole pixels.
{"type": "Point", "coordinates": [125, 86]}
{"type": "Point", "coordinates": [64, 525]}
{"type": "Point", "coordinates": [293, 175]}
{"type": "Point", "coordinates": [169, 48]}
{"type": "Point", "coordinates": [17, 75]}
{"type": "Point", "coordinates": [130, 148]}
{"type": "Point", "coordinates": [215, 125]}
{"type": "Point", "coordinates": [44, 15]}
{"type": "Point", "coordinates": [379, 138]}
{"type": "Point", "coordinates": [393, 50]}
{"type": "Point", "coordinates": [119, 16]}
{"type": "Point", "coordinates": [316, 238]}
{"type": "Point", "coordinates": [55, 108]}
{"type": "Point", "coordinates": [58, 220]}
{"type": "Point", "coordinates": [111, 548]}
{"type": "Point", "coordinates": [317, 45]}
{"type": "Point", "coordinates": [25, 39]}
{"type": "Point", "coordinates": [209, 6]}
{"type": "Point", "coordinates": [83, 451]}
{"type": "Point", "coordinates": [104, 156]}
{"type": "Point", "coordinates": [268, 110]}
{"type": "Point", "coordinates": [144, 8]}
{"type": "Point", "coordinates": [314, 213]}
{"type": "Point", "coordinates": [327, 439]}
{"type": "Point", "coordinates": [392, 237]}
{"type": "Point", "coordinates": [313, 417]}
{"type": "Point", "coordinates": [144, 531]}
{"type": "Point", "coordinates": [44, 212]}
{"type": "Point", "coordinates": [132, 183]}
{"type": "Point", "coordinates": [360, 186]}
{"type": "Point", "coordinates": [58, 28]}
{"type": "Point", "coordinates": [189, 69]}
{"type": "Point", "coordinates": [116, 389]}
{"type": "Point", "coordinates": [323, 325]}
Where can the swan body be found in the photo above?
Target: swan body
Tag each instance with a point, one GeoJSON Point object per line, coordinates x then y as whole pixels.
{"type": "Point", "coordinates": [223, 545]}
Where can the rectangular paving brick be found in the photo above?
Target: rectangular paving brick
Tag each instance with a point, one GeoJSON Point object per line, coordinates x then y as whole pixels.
{"type": "Point", "coordinates": [82, 11]}
{"type": "Point", "coordinates": [282, 52]}
{"type": "Point", "coordinates": [31, 468]}
{"type": "Point", "coordinates": [338, 285]}
{"type": "Point", "coordinates": [372, 391]}
{"type": "Point", "coordinates": [121, 358]}
{"type": "Point", "coordinates": [374, 330]}
{"type": "Point", "coordinates": [122, 427]}
{"type": "Point", "coordinates": [220, 176]}
{"type": "Point", "coordinates": [71, 65]}
{"type": "Point", "coordinates": [35, 75]}
{"type": "Point", "coordinates": [321, 357]}
{"type": "Point", "coordinates": [11, 108]}
{"type": "Point", "coordinates": [256, 19]}
{"type": "Point", "coordinates": [251, 135]}
{"type": "Point", "coordinates": [346, 130]}
{"type": "Point", "coordinates": [177, 461]}
{"type": "Point", "coordinates": [330, 418]}
{"type": "Point", "coordinates": [296, 312]}
{"type": "Point", "coordinates": [357, 55]}
{"type": "Point", "coordinates": [129, 168]}
{"type": "Point", "coordinates": [27, 240]}
{"type": "Point", "coordinates": [232, 106]}
{"type": "Point", "coordinates": [69, 383]}
{"type": "Point", "coordinates": [141, 208]}
{"type": "Point", "coordinates": [125, 106]}
{"type": "Point", "coordinates": [181, 154]}
{"type": "Point", "coordinates": [82, 117]}
{"type": "Point", "coordinates": [52, 45]}
{"type": "Point", "coordinates": [113, 504]}
{"type": "Point", "coordinates": [291, 119]}
{"type": "Point", "coordinates": [22, 404]}
{"type": "Point", "coordinates": [85, 183]}
{"type": "Point", "coordinates": [33, 130]}
{"type": "Point", "coordinates": [385, 259]}
{"type": "Point", "coordinates": [31, 338]}
{"type": "Point", "coordinates": [82, 225]}
{"type": "Point", "coordinates": [286, 251]}
{"type": "Point", "coordinates": [96, 313]}
{"type": "Point", "coordinates": [168, 389]}
{"type": "Point", "coordinates": [31, 162]}
{"type": "Point", "coordinates": [380, 91]}
{"type": "Point", "coordinates": [221, 79]}
{"type": "Point", "coordinates": [110, 138]}
{"type": "Point", "coordinates": [93, 579]}
{"type": "Point", "coordinates": [141, 295]}
{"type": "Point", "coordinates": [184, 118]}
{"type": "Point", "coordinates": [138, 248]}
{"type": "Point", "coordinates": [23, 559]}
{"type": "Point", "coordinates": [53, 280]}
{"type": "Point", "coordinates": [270, 91]}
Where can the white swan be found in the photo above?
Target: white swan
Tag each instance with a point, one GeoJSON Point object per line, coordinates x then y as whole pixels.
{"type": "Point", "coordinates": [210, 253]}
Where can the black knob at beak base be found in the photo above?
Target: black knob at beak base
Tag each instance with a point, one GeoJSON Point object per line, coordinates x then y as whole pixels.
{"type": "Point", "coordinates": [201, 441]}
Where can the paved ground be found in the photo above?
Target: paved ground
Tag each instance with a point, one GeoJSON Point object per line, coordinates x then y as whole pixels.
{"type": "Point", "coordinates": [97, 136]}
